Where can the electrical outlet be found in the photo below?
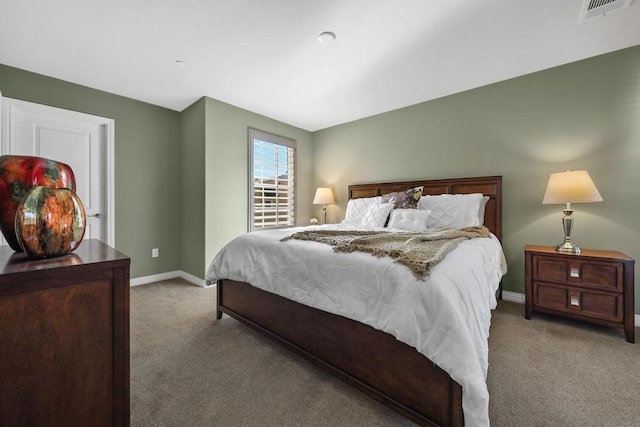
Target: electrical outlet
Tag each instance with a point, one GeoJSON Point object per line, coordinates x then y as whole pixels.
{"type": "Point", "coordinates": [155, 253]}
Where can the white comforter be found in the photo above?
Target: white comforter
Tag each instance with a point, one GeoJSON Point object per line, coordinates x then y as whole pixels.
{"type": "Point", "coordinates": [446, 317]}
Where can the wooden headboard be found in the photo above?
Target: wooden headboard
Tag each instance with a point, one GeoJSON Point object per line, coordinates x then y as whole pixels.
{"type": "Point", "coordinates": [488, 185]}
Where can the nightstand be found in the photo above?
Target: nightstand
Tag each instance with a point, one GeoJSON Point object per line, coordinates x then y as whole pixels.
{"type": "Point", "coordinates": [594, 286]}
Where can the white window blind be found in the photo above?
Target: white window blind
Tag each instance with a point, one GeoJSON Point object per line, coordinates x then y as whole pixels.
{"type": "Point", "coordinates": [272, 181]}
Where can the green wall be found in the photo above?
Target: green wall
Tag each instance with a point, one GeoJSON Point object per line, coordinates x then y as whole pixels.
{"type": "Point", "coordinates": [192, 137]}
{"type": "Point", "coordinates": [227, 171]}
{"type": "Point", "coordinates": [584, 115]}
{"type": "Point", "coordinates": [181, 178]}
{"type": "Point", "coordinates": [148, 172]}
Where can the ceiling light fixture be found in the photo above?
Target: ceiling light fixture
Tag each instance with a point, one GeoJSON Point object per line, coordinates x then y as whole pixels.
{"type": "Point", "coordinates": [327, 37]}
{"type": "Point", "coordinates": [180, 63]}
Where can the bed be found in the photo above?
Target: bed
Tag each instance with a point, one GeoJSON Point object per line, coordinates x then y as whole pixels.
{"type": "Point", "coordinates": [375, 362]}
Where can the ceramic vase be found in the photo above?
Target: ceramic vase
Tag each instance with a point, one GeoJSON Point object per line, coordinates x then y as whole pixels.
{"type": "Point", "coordinates": [50, 222]}
{"type": "Point", "coordinates": [18, 175]}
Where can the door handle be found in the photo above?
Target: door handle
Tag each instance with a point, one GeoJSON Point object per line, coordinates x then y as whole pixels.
{"type": "Point", "coordinates": [98, 215]}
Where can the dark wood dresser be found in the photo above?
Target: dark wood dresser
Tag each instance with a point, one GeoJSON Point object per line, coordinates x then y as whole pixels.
{"type": "Point", "coordinates": [594, 286]}
{"type": "Point", "coordinates": [64, 338]}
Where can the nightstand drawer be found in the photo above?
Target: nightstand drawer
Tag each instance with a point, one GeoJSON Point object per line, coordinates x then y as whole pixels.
{"type": "Point", "coordinates": [593, 304]}
{"type": "Point", "coordinates": [593, 274]}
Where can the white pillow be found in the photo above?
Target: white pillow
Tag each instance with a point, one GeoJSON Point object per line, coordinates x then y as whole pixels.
{"type": "Point", "coordinates": [409, 219]}
{"type": "Point", "coordinates": [483, 204]}
{"type": "Point", "coordinates": [376, 215]}
{"type": "Point", "coordinates": [452, 210]}
{"type": "Point", "coordinates": [357, 208]}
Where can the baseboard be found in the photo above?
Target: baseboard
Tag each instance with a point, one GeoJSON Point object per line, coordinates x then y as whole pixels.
{"type": "Point", "coordinates": [513, 297]}
{"type": "Point", "coordinates": [519, 298]}
{"type": "Point", "coordinates": [167, 276]}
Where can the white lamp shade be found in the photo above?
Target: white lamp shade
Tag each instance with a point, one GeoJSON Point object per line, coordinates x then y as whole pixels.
{"type": "Point", "coordinates": [571, 187]}
{"type": "Point", "coordinates": [324, 196]}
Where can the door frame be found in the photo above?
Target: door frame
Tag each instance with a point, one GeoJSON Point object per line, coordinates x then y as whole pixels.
{"type": "Point", "coordinates": [8, 105]}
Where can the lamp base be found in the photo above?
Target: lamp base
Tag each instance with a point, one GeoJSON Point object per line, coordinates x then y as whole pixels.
{"type": "Point", "coordinates": [567, 224]}
{"type": "Point", "coordinates": [568, 247]}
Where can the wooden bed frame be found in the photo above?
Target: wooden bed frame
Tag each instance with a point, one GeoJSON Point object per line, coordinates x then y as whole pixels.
{"type": "Point", "coordinates": [370, 360]}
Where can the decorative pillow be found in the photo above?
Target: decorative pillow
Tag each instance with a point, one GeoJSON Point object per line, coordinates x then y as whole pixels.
{"type": "Point", "coordinates": [356, 208]}
{"type": "Point", "coordinates": [452, 210]}
{"type": "Point", "coordinates": [404, 199]}
{"type": "Point", "coordinates": [409, 219]}
{"type": "Point", "coordinates": [376, 215]}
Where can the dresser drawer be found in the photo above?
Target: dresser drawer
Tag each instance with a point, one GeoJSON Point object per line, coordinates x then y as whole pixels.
{"type": "Point", "coordinates": [590, 303]}
{"type": "Point", "coordinates": [592, 274]}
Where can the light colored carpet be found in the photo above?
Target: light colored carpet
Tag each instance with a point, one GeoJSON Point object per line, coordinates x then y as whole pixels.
{"type": "Point", "coordinates": [550, 371]}
{"type": "Point", "coordinates": [188, 369]}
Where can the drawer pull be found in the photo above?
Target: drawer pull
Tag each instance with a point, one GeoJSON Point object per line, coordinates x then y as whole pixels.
{"type": "Point", "coordinates": [575, 300]}
{"type": "Point", "coordinates": [575, 272]}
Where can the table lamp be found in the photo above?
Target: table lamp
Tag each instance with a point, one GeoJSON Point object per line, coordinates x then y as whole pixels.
{"type": "Point", "coordinates": [570, 187]}
{"type": "Point", "coordinates": [324, 196]}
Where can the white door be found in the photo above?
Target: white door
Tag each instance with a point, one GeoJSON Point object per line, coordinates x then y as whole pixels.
{"type": "Point", "coordinates": [82, 141]}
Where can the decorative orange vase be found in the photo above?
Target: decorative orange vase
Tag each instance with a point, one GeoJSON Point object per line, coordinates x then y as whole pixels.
{"type": "Point", "coordinates": [50, 222]}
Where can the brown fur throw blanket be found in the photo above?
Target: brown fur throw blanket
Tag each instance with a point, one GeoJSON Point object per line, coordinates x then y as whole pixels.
{"type": "Point", "coordinates": [418, 251]}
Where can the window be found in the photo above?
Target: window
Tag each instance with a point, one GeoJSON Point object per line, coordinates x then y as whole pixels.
{"type": "Point", "coordinates": [272, 179]}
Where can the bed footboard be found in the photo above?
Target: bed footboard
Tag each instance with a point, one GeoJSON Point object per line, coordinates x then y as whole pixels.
{"type": "Point", "coordinates": [372, 361]}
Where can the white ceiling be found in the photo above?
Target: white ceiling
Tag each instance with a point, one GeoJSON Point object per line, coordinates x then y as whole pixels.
{"type": "Point", "coordinates": [264, 56]}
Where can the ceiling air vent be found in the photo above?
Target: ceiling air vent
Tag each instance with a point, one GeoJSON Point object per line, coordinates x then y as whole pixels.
{"type": "Point", "coordinates": [593, 8]}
